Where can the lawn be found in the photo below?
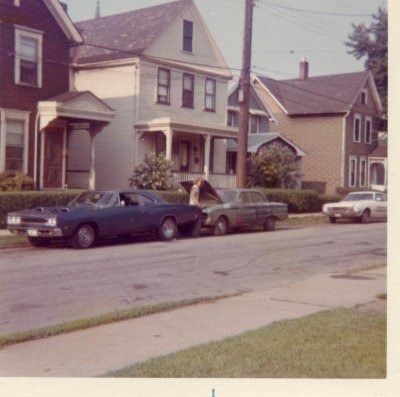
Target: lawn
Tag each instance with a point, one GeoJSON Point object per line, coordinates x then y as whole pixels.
{"type": "Point", "coordinates": [340, 343]}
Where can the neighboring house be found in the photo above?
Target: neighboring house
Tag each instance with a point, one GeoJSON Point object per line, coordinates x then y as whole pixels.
{"type": "Point", "coordinates": [162, 72]}
{"type": "Point", "coordinates": [259, 135]}
{"type": "Point", "coordinates": [337, 121]}
{"type": "Point", "coordinates": [37, 111]}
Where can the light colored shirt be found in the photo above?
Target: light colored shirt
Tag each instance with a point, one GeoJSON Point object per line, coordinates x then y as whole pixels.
{"type": "Point", "coordinates": [194, 196]}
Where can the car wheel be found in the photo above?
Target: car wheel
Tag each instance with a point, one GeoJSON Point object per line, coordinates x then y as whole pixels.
{"type": "Point", "coordinates": [332, 219]}
{"type": "Point", "coordinates": [270, 224]}
{"type": "Point", "coordinates": [221, 226]}
{"type": "Point", "coordinates": [365, 217]}
{"type": "Point", "coordinates": [38, 242]}
{"type": "Point", "coordinates": [83, 237]}
{"type": "Point", "coordinates": [167, 229]}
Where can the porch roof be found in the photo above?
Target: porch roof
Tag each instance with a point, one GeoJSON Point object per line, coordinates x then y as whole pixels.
{"type": "Point", "coordinates": [77, 105]}
{"type": "Point", "coordinates": [255, 141]}
{"type": "Point", "coordinates": [163, 124]}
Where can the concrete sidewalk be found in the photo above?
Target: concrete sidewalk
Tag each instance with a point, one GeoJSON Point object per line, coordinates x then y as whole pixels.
{"type": "Point", "coordinates": [95, 351]}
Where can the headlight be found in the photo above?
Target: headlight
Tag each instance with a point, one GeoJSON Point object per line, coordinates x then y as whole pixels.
{"type": "Point", "coordinates": [356, 208]}
{"type": "Point", "coordinates": [13, 220]}
{"type": "Point", "coordinates": [52, 221]}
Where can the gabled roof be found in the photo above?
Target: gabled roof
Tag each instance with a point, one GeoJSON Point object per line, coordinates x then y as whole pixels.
{"type": "Point", "coordinates": [255, 141]}
{"type": "Point", "coordinates": [63, 20]}
{"type": "Point", "coordinates": [319, 95]}
{"type": "Point", "coordinates": [130, 33]}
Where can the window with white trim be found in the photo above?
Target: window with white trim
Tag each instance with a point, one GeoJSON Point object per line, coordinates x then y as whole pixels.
{"type": "Point", "coordinates": [364, 97]}
{"type": "Point", "coordinates": [14, 141]}
{"type": "Point", "coordinates": [255, 123]}
{"type": "Point", "coordinates": [210, 93]}
{"type": "Point", "coordinates": [188, 91]}
{"type": "Point", "coordinates": [357, 128]}
{"type": "Point", "coordinates": [363, 171]}
{"type": "Point", "coordinates": [187, 36]}
{"type": "Point", "coordinates": [164, 86]}
{"type": "Point", "coordinates": [368, 130]}
{"type": "Point", "coordinates": [353, 171]}
{"type": "Point", "coordinates": [28, 57]}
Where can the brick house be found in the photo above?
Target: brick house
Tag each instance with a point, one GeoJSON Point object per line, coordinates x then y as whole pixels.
{"type": "Point", "coordinates": [162, 72]}
{"type": "Point", "coordinates": [337, 121]}
{"type": "Point", "coordinates": [37, 111]}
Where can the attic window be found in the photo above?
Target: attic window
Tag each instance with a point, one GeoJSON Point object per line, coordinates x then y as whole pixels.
{"type": "Point", "coordinates": [187, 36]}
{"type": "Point", "coordinates": [364, 97]}
{"type": "Point", "coordinates": [16, 3]}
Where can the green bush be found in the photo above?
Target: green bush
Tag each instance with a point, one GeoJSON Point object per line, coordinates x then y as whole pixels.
{"type": "Point", "coordinates": [153, 173]}
{"type": "Point", "coordinates": [15, 181]}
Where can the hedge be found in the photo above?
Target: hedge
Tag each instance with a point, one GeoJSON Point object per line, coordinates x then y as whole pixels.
{"type": "Point", "coordinates": [298, 201]}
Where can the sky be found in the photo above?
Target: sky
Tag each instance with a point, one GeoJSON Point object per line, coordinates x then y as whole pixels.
{"type": "Point", "coordinates": [284, 31]}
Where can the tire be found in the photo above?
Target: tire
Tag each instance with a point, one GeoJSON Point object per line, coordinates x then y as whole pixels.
{"type": "Point", "coordinates": [38, 242]}
{"type": "Point", "coordinates": [220, 227]}
{"type": "Point", "coordinates": [364, 218]}
{"type": "Point", "coordinates": [270, 224]}
{"type": "Point", "coordinates": [83, 237]}
{"type": "Point", "coordinates": [167, 230]}
{"type": "Point", "coordinates": [332, 219]}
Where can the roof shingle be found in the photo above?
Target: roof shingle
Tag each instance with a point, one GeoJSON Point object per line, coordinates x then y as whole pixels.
{"type": "Point", "coordinates": [124, 35]}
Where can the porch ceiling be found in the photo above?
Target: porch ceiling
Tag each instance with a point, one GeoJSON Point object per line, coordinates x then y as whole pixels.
{"type": "Point", "coordinates": [187, 127]}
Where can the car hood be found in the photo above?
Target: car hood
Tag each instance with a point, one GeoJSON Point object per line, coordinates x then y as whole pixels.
{"type": "Point", "coordinates": [208, 195]}
{"type": "Point", "coordinates": [48, 211]}
{"type": "Point", "coordinates": [343, 204]}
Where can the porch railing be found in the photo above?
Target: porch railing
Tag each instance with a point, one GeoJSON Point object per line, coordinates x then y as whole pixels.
{"type": "Point", "coordinates": [216, 180]}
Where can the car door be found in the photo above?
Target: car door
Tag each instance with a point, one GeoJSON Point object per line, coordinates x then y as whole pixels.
{"type": "Point", "coordinates": [380, 207]}
{"type": "Point", "coordinates": [246, 211]}
{"type": "Point", "coordinates": [263, 208]}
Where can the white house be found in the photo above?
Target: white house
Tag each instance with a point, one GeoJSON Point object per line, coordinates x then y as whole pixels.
{"type": "Point", "coordinates": [161, 71]}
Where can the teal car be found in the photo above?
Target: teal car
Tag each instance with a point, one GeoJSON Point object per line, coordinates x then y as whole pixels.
{"type": "Point", "coordinates": [225, 209]}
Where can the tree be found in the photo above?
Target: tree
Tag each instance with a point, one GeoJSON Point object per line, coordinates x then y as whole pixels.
{"type": "Point", "coordinates": [274, 166]}
{"type": "Point", "coordinates": [153, 173]}
{"type": "Point", "coordinates": [372, 42]}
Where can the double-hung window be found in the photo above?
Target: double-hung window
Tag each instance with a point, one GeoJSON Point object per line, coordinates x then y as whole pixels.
{"type": "Point", "coordinates": [187, 36]}
{"type": "Point", "coordinates": [28, 57]}
{"type": "Point", "coordinates": [210, 94]}
{"type": "Point", "coordinates": [368, 130]}
{"type": "Point", "coordinates": [188, 91]}
{"type": "Point", "coordinates": [357, 128]}
{"type": "Point", "coordinates": [163, 86]}
{"type": "Point", "coordinates": [255, 121]}
{"type": "Point", "coordinates": [13, 141]}
{"type": "Point", "coordinates": [353, 171]}
{"type": "Point", "coordinates": [363, 171]}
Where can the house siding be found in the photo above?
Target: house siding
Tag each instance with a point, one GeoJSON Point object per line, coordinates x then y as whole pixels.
{"type": "Point", "coordinates": [32, 14]}
{"type": "Point", "coordinates": [115, 144]}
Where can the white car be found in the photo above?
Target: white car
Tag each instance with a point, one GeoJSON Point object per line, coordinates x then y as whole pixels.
{"type": "Point", "coordinates": [359, 206]}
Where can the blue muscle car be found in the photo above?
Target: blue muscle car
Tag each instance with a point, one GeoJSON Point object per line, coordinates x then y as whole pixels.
{"type": "Point", "coordinates": [97, 214]}
{"type": "Point", "coordinates": [225, 209]}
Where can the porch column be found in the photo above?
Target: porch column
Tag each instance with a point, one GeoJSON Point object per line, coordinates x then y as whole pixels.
{"type": "Point", "coordinates": [168, 145]}
{"type": "Point", "coordinates": [207, 146]}
{"type": "Point", "coordinates": [92, 173]}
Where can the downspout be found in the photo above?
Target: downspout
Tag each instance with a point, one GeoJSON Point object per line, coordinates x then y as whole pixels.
{"type": "Point", "coordinates": [35, 154]}
{"type": "Point", "coordinates": [343, 165]}
{"type": "Point", "coordinates": [136, 112]}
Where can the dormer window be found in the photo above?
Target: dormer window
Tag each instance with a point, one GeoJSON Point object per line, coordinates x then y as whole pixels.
{"type": "Point", "coordinates": [364, 97]}
{"type": "Point", "coordinates": [187, 36]}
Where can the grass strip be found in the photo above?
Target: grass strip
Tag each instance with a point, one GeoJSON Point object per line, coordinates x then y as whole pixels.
{"type": "Point", "coordinates": [13, 241]}
{"type": "Point", "coordinates": [339, 343]}
{"type": "Point", "coordinates": [108, 318]}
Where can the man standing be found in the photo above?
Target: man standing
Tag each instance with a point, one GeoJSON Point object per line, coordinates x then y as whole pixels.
{"type": "Point", "coordinates": [194, 198]}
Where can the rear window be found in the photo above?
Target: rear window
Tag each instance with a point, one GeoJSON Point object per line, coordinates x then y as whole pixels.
{"type": "Point", "coordinates": [228, 196]}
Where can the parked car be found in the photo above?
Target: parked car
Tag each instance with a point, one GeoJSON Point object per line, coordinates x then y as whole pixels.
{"type": "Point", "coordinates": [225, 209]}
{"type": "Point", "coordinates": [359, 206]}
{"type": "Point", "coordinates": [96, 214]}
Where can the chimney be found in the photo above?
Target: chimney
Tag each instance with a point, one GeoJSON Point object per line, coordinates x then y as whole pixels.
{"type": "Point", "coordinates": [303, 69]}
{"type": "Point", "coordinates": [97, 10]}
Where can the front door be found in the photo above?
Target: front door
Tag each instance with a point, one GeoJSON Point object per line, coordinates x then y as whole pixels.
{"type": "Point", "coordinates": [53, 158]}
{"type": "Point", "coordinates": [184, 156]}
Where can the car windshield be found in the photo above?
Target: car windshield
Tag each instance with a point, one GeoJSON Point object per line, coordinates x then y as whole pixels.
{"type": "Point", "coordinates": [358, 197]}
{"type": "Point", "coordinates": [228, 196]}
{"type": "Point", "coordinates": [96, 199]}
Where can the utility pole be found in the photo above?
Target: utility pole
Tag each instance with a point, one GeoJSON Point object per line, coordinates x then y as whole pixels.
{"type": "Point", "coordinates": [244, 97]}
